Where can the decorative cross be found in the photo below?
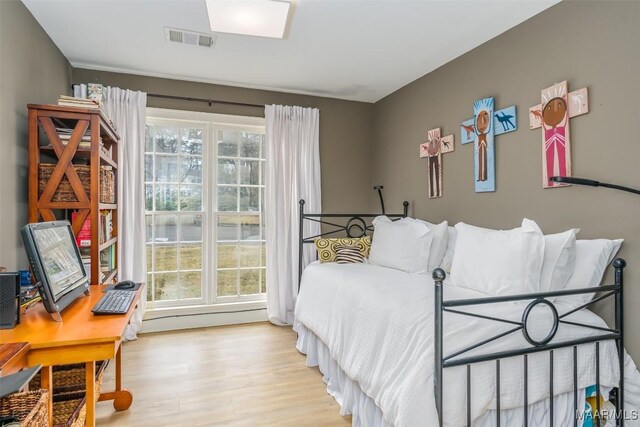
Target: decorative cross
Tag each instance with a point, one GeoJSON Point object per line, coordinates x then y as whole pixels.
{"type": "Point", "coordinates": [481, 130]}
{"type": "Point", "coordinates": [433, 150]}
{"type": "Point", "coordinates": [553, 115]}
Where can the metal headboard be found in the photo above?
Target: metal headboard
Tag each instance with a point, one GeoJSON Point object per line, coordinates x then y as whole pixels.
{"type": "Point", "coordinates": [354, 225]}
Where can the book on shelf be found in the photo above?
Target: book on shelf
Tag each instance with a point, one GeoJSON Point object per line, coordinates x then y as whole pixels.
{"type": "Point", "coordinates": [89, 92]}
{"type": "Point", "coordinates": [105, 151]}
{"type": "Point", "coordinates": [105, 230]}
{"type": "Point", "coordinates": [106, 226]}
{"type": "Point", "coordinates": [85, 142]}
{"type": "Point", "coordinates": [65, 133]}
{"type": "Point", "coordinates": [108, 259]}
{"type": "Point", "coordinates": [91, 104]}
{"type": "Point", "coordinates": [83, 239]}
{"type": "Point", "coordinates": [70, 101]}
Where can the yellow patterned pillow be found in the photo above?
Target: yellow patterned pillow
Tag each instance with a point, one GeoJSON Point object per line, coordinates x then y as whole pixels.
{"type": "Point", "coordinates": [327, 247]}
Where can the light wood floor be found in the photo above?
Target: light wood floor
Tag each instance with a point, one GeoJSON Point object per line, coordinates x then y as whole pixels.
{"type": "Point", "coordinates": [245, 375]}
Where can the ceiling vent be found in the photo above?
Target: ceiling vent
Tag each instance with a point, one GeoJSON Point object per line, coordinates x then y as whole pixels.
{"type": "Point", "coordinates": [189, 37]}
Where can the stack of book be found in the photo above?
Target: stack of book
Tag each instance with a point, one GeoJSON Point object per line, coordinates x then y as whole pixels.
{"type": "Point", "coordinates": [70, 101]}
{"type": "Point", "coordinates": [105, 231]}
{"type": "Point", "coordinates": [85, 142]}
{"type": "Point", "coordinates": [89, 92]}
{"type": "Point", "coordinates": [83, 238]}
{"type": "Point", "coordinates": [85, 254]}
{"type": "Point", "coordinates": [65, 136]}
{"type": "Point", "coordinates": [107, 260]}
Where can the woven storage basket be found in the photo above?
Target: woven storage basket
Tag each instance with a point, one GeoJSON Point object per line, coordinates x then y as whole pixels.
{"type": "Point", "coordinates": [69, 400]}
{"type": "Point", "coordinates": [29, 407]}
{"type": "Point", "coordinates": [70, 378]}
{"type": "Point", "coordinates": [107, 186]}
{"type": "Point", "coordinates": [69, 409]}
{"type": "Point", "coordinates": [64, 192]}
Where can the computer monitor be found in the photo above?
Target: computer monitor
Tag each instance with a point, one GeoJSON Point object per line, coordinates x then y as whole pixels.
{"type": "Point", "coordinates": [56, 264]}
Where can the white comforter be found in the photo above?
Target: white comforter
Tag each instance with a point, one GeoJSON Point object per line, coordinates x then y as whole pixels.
{"type": "Point", "coordinates": [378, 326]}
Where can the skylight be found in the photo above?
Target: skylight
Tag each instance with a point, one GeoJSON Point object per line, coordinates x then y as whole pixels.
{"type": "Point", "coordinates": [262, 18]}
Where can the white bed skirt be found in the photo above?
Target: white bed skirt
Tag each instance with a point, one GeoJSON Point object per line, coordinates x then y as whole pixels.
{"type": "Point", "coordinates": [364, 411]}
{"type": "Point", "coordinates": [352, 400]}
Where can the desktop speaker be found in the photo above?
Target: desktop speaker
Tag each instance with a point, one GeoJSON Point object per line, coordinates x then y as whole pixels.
{"type": "Point", "coordinates": [9, 300]}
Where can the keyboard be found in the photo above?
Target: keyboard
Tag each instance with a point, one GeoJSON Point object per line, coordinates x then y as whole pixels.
{"type": "Point", "coordinates": [114, 302]}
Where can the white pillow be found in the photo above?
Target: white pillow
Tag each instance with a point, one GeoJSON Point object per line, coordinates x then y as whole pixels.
{"type": "Point", "coordinates": [498, 262]}
{"type": "Point", "coordinates": [403, 244]}
{"type": "Point", "coordinates": [439, 243]}
{"type": "Point", "coordinates": [451, 247]}
{"type": "Point", "coordinates": [592, 259]}
{"type": "Point", "coordinates": [559, 260]}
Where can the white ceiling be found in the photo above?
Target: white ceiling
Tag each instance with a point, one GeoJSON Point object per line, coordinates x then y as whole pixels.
{"type": "Point", "coordinates": [350, 49]}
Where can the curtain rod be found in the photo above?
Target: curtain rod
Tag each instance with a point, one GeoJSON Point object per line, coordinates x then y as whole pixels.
{"type": "Point", "coordinates": [208, 101]}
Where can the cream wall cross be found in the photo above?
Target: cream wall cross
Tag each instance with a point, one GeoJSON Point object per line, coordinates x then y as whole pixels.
{"type": "Point", "coordinates": [433, 150]}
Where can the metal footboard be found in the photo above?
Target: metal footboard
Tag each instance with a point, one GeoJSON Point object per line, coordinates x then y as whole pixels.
{"type": "Point", "coordinates": [459, 358]}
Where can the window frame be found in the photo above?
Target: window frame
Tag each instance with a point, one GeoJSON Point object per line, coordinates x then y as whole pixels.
{"type": "Point", "coordinates": [210, 123]}
{"type": "Point", "coordinates": [262, 162]}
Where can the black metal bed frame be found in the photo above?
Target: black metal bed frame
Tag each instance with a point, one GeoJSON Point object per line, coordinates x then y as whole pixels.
{"type": "Point", "coordinates": [454, 359]}
{"type": "Point", "coordinates": [356, 226]}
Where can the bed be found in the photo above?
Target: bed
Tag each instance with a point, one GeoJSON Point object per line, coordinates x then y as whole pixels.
{"type": "Point", "coordinates": [421, 352]}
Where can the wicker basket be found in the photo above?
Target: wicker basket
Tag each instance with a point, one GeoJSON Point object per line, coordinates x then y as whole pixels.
{"type": "Point", "coordinates": [71, 379]}
{"type": "Point", "coordinates": [64, 192]}
{"type": "Point", "coordinates": [107, 186]}
{"type": "Point", "coordinates": [69, 396]}
{"type": "Point", "coordinates": [30, 408]}
{"type": "Point", "coordinates": [69, 410]}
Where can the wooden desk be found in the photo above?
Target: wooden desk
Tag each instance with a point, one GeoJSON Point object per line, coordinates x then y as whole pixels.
{"type": "Point", "coordinates": [13, 357]}
{"type": "Point", "coordinates": [81, 337]}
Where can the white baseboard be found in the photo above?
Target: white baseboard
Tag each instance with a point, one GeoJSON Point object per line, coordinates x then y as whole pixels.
{"type": "Point", "coordinates": [162, 323]}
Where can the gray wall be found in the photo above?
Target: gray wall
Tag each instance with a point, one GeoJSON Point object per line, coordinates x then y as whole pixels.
{"type": "Point", "coordinates": [32, 70]}
{"type": "Point", "coordinates": [586, 43]}
{"type": "Point", "coordinates": [592, 44]}
{"type": "Point", "coordinates": [345, 127]}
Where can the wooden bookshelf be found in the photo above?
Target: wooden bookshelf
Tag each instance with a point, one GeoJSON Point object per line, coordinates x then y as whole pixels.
{"type": "Point", "coordinates": [46, 146]}
{"type": "Point", "coordinates": [108, 243]}
{"type": "Point", "coordinates": [83, 153]}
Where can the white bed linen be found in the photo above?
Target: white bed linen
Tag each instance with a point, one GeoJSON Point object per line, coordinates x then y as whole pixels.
{"type": "Point", "coordinates": [353, 401]}
{"type": "Point", "coordinates": [377, 324]}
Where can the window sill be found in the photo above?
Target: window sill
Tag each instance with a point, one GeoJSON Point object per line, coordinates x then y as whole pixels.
{"type": "Point", "coordinates": [191, 310]}
{"type": "Point", "coordinates": [203, 316]}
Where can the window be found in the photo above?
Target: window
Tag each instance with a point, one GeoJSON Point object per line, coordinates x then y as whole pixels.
{"type": "Point", "coordinates": [240, 226]}
{"type": "Point", "coordinates": [204, 188]}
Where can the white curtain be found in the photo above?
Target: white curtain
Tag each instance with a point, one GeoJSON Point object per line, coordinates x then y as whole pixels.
{"type": "Point", "coordinates": [127, 110]}
{"type": "Point", "coordinates": [293, 173]}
